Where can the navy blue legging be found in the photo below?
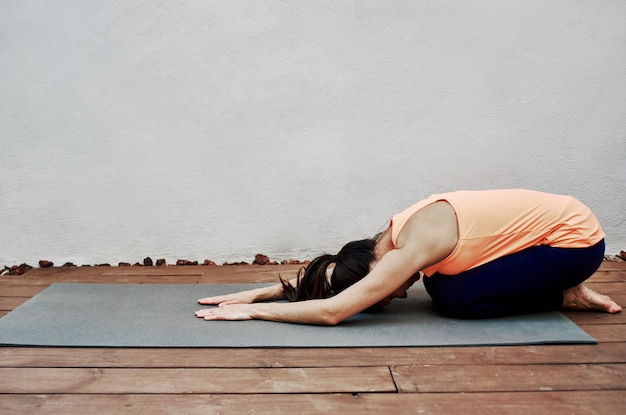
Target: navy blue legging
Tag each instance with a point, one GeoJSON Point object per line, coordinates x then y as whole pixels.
{"type": "Point", "coordinates": [527, 281]}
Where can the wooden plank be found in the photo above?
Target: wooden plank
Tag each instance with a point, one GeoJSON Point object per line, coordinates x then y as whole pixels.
{"type": "Point", "coordinates": [101, 279]}
{"type": "Point", "coordinates": [8, 281]}
{"type": "Point", "coordinates": [103, 271]}
{"type": "Point", "coordinates": [78, 277]}
{"type": "Point", "coordinates": [215, 271]}
{"type": "Point", "coordinates": [322, 357]}
{"type": "Point", "coordinates": [613, 266]}
{"type": "Point", "coordinates": [516, 403]}
{"type": "Point", "coordinates": [32, 287]}
{"type": "Point", "coordinates": [20, 290]}
{"type": "Point", "coordinates": [608, 276]}
{"type": "Point", "coordinates": [241, 279]}
{"type": "Point", "coordinates": [606, 332]}
{"type": "Point", "coordinates": [171, 279]}
{"type": "Point", "coordinates": [205, 274]}
{"type": "Point", "coordinates": [254, 380]}
{"type": "Point", "coordinates": [167, 271]}
{"type": "Point", "coordinates": [523, 403]}
{"type": "Point", "coordinates": [10, 303]}
{"type": "Point", "coordinates": [505, 378]}
{"type": "Point", "coordinates": [61, 272]}
{"type": "Point", "coordinates": [249, 274]}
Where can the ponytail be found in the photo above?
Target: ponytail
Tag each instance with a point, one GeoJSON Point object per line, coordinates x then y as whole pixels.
{"type": "Point", "coordinates": [311, 282]}
{"type": "Point", "coordinates": [352, 263]}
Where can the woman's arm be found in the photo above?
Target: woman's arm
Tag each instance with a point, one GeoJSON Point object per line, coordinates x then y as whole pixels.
{"type": "Point", "coordinates": [390, 273]}
{"type": "Point", "coordinates": [427, 238]}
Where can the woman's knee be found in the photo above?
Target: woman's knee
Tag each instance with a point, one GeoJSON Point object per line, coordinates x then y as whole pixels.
{"type": "Point", "coordinates": [447, 299]}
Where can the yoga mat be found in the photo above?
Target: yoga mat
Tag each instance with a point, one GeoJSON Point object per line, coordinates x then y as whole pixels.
{"type": "Point", "coordinates": [136, 315]}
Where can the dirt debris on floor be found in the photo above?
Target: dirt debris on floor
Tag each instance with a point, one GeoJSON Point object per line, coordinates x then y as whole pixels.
{"type": "Point", "coordinates": [259, 259]}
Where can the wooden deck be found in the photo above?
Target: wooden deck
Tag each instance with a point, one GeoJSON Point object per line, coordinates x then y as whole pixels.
{"type": "Point", "coordinates": [572, 379]}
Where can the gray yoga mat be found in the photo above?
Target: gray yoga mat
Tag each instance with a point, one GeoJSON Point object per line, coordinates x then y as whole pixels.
{"type": "Point", "coordinates": [134, 315]}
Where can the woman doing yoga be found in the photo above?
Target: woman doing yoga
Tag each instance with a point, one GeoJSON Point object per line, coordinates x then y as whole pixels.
{"type": "Point", "coordinates": [483, 254]}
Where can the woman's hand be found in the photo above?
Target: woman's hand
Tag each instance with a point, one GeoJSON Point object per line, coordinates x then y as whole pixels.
{"type": "Point", "coordinates": [243, 297]}
{"type": "Point", "coordinates": [227, 312]}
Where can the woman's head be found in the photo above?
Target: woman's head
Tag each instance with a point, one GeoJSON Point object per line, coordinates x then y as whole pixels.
{"type": "Point", "coordinates": [351, 264]}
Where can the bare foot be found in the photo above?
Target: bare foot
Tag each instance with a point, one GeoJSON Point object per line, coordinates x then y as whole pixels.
{"type": "Point", "coordinates": [583, 298]}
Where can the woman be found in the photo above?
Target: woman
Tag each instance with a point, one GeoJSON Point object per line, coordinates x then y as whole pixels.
{"type": "Point", "coordinates": [483, 254]}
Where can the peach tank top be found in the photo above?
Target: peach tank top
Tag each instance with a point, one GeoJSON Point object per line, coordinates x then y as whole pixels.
{"type": "Point", "coordinates": [494, 223]}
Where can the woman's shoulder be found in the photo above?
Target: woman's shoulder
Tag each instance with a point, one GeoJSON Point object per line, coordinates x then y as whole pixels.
{"type": "Point", "coordinates": [399, 220]}
{"type": "Point", "coordinates": [432, 227]}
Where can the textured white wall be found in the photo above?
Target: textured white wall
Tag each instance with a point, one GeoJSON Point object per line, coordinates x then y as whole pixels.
{"type": "Point", "coordinates": [219, 129]}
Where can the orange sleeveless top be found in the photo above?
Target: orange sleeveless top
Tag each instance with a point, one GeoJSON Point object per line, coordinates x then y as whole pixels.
{"type": "Point", "coordinates": [495, 223]}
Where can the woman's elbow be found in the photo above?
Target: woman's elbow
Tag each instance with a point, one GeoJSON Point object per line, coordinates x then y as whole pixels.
{"type": "Point", "coordinates": [331, 317]}
{"type": "Point", "coordinates": [331, 321]}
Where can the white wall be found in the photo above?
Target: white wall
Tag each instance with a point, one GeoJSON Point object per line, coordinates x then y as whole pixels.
{"type": "Point", "coordinates": [220, 129]}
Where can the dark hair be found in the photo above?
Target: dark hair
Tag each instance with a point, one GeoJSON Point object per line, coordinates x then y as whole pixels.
{"type": "Point", "coordinates": [352, 263]}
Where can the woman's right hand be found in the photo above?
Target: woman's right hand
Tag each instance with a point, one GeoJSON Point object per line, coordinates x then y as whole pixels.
{"type": "Point", "coordinates": [242, 297]}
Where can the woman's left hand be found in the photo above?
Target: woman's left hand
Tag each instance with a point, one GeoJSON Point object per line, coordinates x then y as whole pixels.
{"type": "Point", "coordinates": [227, 312]}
